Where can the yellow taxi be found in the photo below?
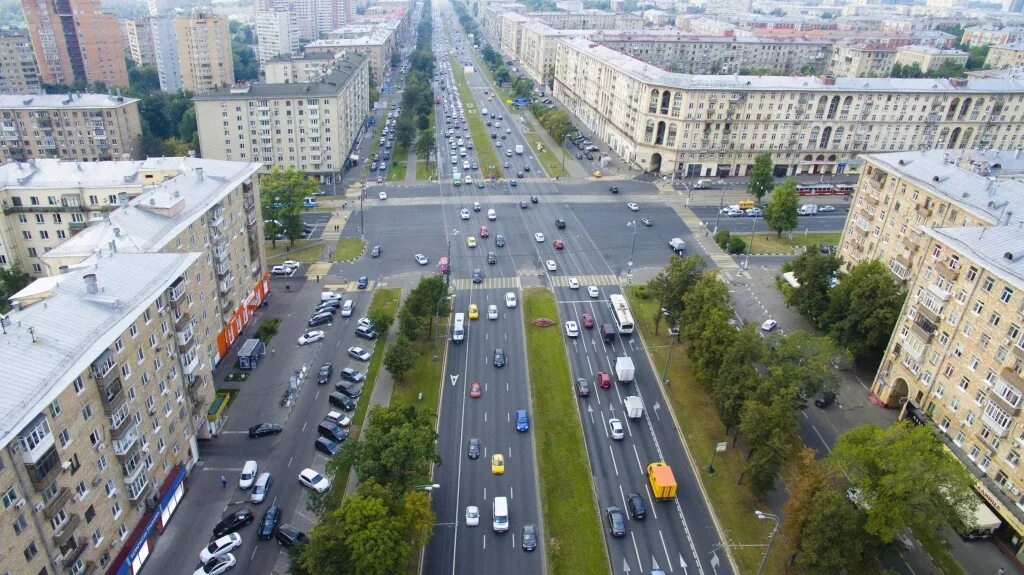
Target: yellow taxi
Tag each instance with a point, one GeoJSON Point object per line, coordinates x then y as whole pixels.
{"type": "Point", "coordinates": [597, 173]}
{"type": "Point", "coordinates": [498, 464]}
{"type": "Point", "coordinates": [474, 311]}
{"type": "Point", "coordinates": [471, 241]}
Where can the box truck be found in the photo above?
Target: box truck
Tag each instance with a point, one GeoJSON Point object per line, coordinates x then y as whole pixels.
{"type": "Point", "coordinates": [519, 149]}
{"type": "Point", "coordinates": [634, 407]}
{"type": "Point", "coordinates": [624, 369]}
{"type": "Point", "coordinates": [663, 482]}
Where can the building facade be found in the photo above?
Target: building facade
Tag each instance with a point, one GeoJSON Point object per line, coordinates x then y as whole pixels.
{"type": "Point", "coordinates": [990, 36]}
{"type": "Point", "coordinates": [1005, 56]}
{"type": "Point", "coordinates": [74, 40]}
{"type": "Point", "coordinates": [929, 59]}
{"type": "Point", "coordinates": [861, 60]}
{"type": "Point", "coordinates": [138, 35]}
{"type": "Point", "coordinates": [204, 52]}
{"type": "Point", "coordinates": [81, 127]}
{"type": "Point", "coordinates": [716, 125]}
{"type": "Point", "coordinates": [376, 43]}
{"type": "Point", "coordinates": [19, 73]}
{"type": "Point", "coordinates": [311, 127]}
{"type": "Point", "coordinates": [276, 34]}
{"type": "Point", "coordinates": [298, 68]}
{"type": "Point", "coordinates": [165, 50]}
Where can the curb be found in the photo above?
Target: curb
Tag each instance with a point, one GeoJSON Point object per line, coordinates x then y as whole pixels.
{"type": "Point", "coordinates": [361, 254]}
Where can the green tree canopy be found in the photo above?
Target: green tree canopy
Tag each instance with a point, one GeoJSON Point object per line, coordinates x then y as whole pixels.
{"type": "Point", "coordinates": [737, 379]}
{"type": "Point", "coordinates": [674, 280]}
{"type": "Point", "coordinates": [281, 195]}
{"type": "Point", "coordinates": [816, 273]}
{"type": "Point", "coordinates": [863, 310]}
{"type": "Point", "coordinates": [832, 538]}
{"type": "Point", "coordinates": [400, 357]}
{"type": "Point", "coordinates": [762, 176]}
{"type": "Point", "coordinates": [780, 213]}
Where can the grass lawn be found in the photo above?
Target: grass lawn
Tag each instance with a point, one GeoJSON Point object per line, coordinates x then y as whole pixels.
{"type": "Point", "coordinates": [487, 157]}
{"type": "Point", "coordinates": [385, 299]}
{"type": "Point", "coordinates": [305, 251]}
{"type": "Point", "coordinates": [424, 377]}
{"type": "Point", "coordinates": [427, 171]}
{"type": "Point", "coordinates": [549, 160]}
{"type": "Point", "coordinates": [347, 249]}
{"type": "Point", "coordinates": [399, 165]}
{"type": "Point", "coordinates": [698, 420]}
{"type": "Point", "coordinates": [943, 559]}
{"type": "Point", "coordinates": [770, 243]}
{"type": "Point", "coordinates": [572, 525]}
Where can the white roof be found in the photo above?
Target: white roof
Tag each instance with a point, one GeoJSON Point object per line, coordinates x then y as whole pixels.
{"type": "Point", "coordinates": [49, 343]}
{"type": "Point", "coordinates": [988, 246]}
{"type": "Point", "coordinates": [66, 101]}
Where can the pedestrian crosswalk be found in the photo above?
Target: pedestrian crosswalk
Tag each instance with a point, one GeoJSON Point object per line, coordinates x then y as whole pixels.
{"type": "Point", "coordinates": [488, 283]}
{"type": "Point", "coordinates": [593, 280]}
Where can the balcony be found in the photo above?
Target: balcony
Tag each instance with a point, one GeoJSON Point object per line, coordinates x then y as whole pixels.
{"type": "Point", "coordinates": [910, 243]}
{"type": "Point", "coordinates": [225, 285]}
{"type": "Point", "coordinates": [923, 210]}
{"type": "Point", "coordinates": [938, 291]}
{"type": "Point", "coordinates": [104, 369]}
{"type": "Point", "coordinates": [77, 226]}
{"type": "Point", "coordinates": [221, 255]}
{"type": "Point", "coordinates": [182, 320]}
{"type": "Point", "coordinates": [928, 314]}
{"type": "Point", "coordinates": [866, 212]}
{"type": "Point", "coordinates": [176, 290]}
{"type": "Point", "coordinates": [62, 535]}
{"type": "Point", "coordinates": [45, 470]}
{"type": "Point", "coordinates": [69, 556]}
{"type": "Point", "coordinates": [123, 445]}
{"type": "Point", "coordinates": [223, 271]}
{"type": "Point", "coordinates": [57, 503]}
{"type": "Point", "coordinates": [924, 330]}
{"type": "Point", "coordinates": [135, 492]}
{"type": "Point", "coordinates": [112, 397]}
{"type": "Point", "coordinates": [132, 467]}
{"type": "Point", "coordinates": [189, 364]}
{"type": "Point", "coordinates": [996, 428]}
{"type": "Point", "coordinates": [871, 196]}
{"type": "Point", "coordinates": [216, 218]}
{"type": "Point", "coordinates": [226, 304]}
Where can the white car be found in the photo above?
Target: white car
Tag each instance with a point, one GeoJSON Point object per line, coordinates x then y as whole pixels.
{"type": "Point", "coordinates": [633, 207]}
{"type": "Point", "coordinates": [615, 427]}
{"type": "Point", "coordinates": [338, 417]}
{"type": "Point", "coordinates": [539, 237]}
{"type": "Point", "coordinates": [472, 516]}
{"type": "Point", "coordinates": [551, 265]}
{"type": "Point", "coordinates": [510, 300]}
{"type": "Point", "coordinates": [592, 291]}
{"type": "Point", "coordinates": [492, 312]}
{"type": "Point", "coordinates": [347, 308]}
{"type": "Point", "coordinates": [574, 283]}
{"type": "Point", "coordinates": [249, 471]}
{"type": "Point", "coordinates": [821, 208]}
{"type": "Point", "coordinates": [359, 353]}
{"type": "Point", "coordinates": [572, 329]}
{"type": "Point", "coordinates": [465, 214]}
{"type": "Point", "coordinates": [422, 259]}
{"type": "Point", "coordinates": [364, 322]}
{"type": "Point", "coordinates": [313, 480]}
{"type": "Point", "coordinates": [469, 179]}
{"type": "Point", "coordinates": [311, 336]}
{"type": "Point", "coordinates": [221, 546]}
{"type": "Point", "coordinates": [769, 325]}
{"type": "Point", "coordinates": [217, 565]}
{"type": "Point", "coordinates": [383, 195]}
{"type": "Point", "coordinates": [296, 265]}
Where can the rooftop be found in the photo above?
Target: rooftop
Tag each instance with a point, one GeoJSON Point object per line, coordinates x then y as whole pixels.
{"type": "Point", "coordinates": [318, 56]}
{"type": "Point", "coordinates": [66, 101]}
{"type": "Point", "coordinates": [48, 343]}
{"type": "Point", "coordinates": [998, 249]}
{"type": "Point", "coordinates": [931, 50]}
{"type": "Point", "coordinates": [329, 85]}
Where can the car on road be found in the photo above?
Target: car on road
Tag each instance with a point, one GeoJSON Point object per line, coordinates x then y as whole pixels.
{"type": "Point", "coordinates": [636, 507]}
{"type": "Point", "coordinates": [604, 379]}
{"type": "Point", "coordinates": [633, 206]}
{"type": "Point", "coordinates": [478, 276]}
{"type": "Point", "coordinates": [484, 233]}
{"type": "Point", "coordinates": [268, 525]}
{"type": "Point", "coordinates": [475, 390]}
{"type": "Point", "coordinates": [359, 353]}
{"type": "Point", "coordinates": [382, 195]}
{"type": "Point", "coordinates": [492, 258]}
{"type": "Point", "coordinates": [471, 241]}
{"type": "Point", "coordinates": [497, 464]}
{"type": "Point", "coordinates": [261, 429]}
{"type": "Point", "coordinates": [616, 521]}
{"type": "Point", "coordinates": [821, 208]}
{"type": "Point", "coordinates": [519, 174]}
{"type": "Point", "coordinates": [612, 189]}
{"type": "Point", "coordinates": [220, 546]}
{"type": "Point", "coordinates": [366, 332]}
{"type": "Point", "coordinates": [499, 240]}
{"type": "Point", "coordinates": [551, 265]}
{"type": "Point", "coordinates": [596, 173]}
{"type": "Point", "coordinates": [465, 214]}
{"type": "Point", "coordinates": [216, 566]}
{"type": "Point", "coordinates": [375, 252]}
{"type": "Point", "coordinates": [248, 474]}
{"type": "Point", "coordinates": [362, 283]}
{"type": "Point", "coordinates": [560, 223]}
{"type": "Point", "coordinates": [753, 212]}
{"type": "Point", "coordinates": [474, 311]}
{"type": "Point", "coordinates": [522, 204]}
{"type": "Point", "coordinates": [558, 244]}
{"type": "Point", "coordinates": [529, 537]}
{"type": "Point", "coordinates": [582, 387]}
{"type": "Point", "coordinates": [421, 259]}
{"type": "Point", "coordinates": [499, 357]}
{"type": "Point", "coordinates": [476, 205]}
{"type": "Point", "coordinates": [647, 222]}
{"type": "Point", "coordinates": [592, 291]}
{"type": "Point", "coordinates": [313, 480]}
{"type": "Point", "coordinates": [510, 300]}
{"type": "Point", "coordinates": [539, 237]}
{"type": "Point", "coordinates": [261, 488]}
{"type": "Point", "coordinates": [473, 448]}
{"type": "Point", "coordinates": [522, 420]}
{"type": "Point", "coordinates": [472, 516]}
{"type": "Point", "coordinates": [289, 536]}
{"type": "Point", "coordinates": [320, 319]}
{"type": "Point", "coordinates": [769, 325]}
{"type": "Point", "coordinates": [826, 399]}
{"type": "Point", "coordinates": [572, 329]}
{"type": "Point", "coordinates": [587, 320]}
{"type": "Point", "coordinates": [352, 375]}
{"type": "Point", "coordinates": [326, 446]}
{"type": "Point", "coordinates": [238, 519]}
{"type": "Point", "coordinates": [492, 312]}
{"type": "Point", "coordinates": [615, 428]}
{"type": "Point", "coordinates": [324, 375]}
{"type": "Point", "coordinates": [311, 336]}
{"type": "Point", "coordinates": [574, 283]}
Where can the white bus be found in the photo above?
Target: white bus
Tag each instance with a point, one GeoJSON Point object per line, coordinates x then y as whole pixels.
{"type": "Point", "coordinates": [459, 328]}
{"type": "Point", "coordinates": [620, 310]}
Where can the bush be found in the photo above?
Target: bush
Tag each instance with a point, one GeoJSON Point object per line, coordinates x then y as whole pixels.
{"type": "Point", "coordinates": [737, 245]}
{"type": "Point", "coordinates": [641, 292]}
{"type": "Point", "coordinates": [722, 238]}
{"type": "Point", "coordinates": [267, 329]}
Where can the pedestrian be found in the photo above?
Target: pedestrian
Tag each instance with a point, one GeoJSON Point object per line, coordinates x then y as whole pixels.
{"type": "Point", "coordinates": [223, 481]}
{"type": "Point", "coordinates": [317, 279]}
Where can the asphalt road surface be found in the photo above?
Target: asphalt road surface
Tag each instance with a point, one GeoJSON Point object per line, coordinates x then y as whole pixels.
{"type": "Point", "coordinates": [822, 222]}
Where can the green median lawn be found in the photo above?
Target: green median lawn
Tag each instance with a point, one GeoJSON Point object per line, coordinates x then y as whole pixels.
{"type": "Point", "coordinates": [487, 157]}
{"type": "Point", "coordinates": [347, 249]}
{"type": "Point", "coordinates": [573, 533]}
{"type": "Point", "coordinates": [305, 251]}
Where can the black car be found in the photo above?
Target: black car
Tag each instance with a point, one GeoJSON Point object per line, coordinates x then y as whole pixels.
{"type": "Point", "coordinates": [353, 390]}
{"type": "Point", "coordinates": [324, 375]}
{"type": "Point", "coordinates": [491, 258]}
{"type": "Point", "coordinates": [582, 387]}
{"type": "Point", "coordinates": [473, 450]}
{"type": "Point", "coordinates": [826, 399]}
{"type": "Point", "coordinates": [523, 205]}
{"type": "Point", "coordinates": [326, 446]}
{"type": "Point", "coordinates": [616, 521]}
{"type": "Point", "coordinates": [268, 525]}
{"type": "Point", "coordinates": [519, 174]}
{"type": "Point", "coordinates": [321, 310]}
{"type": "Point", "coordinates": [338, 399]}
{"type": "Point", "coordinates": [637, 510]}
{"type": "Point", "coordinates": [366, 332]}
{"type": "Point", "coordinates": [560, 223]}
{"type": "Point", "coordinates": [499, 357]}
{"type": "Point", "coordinates": [231, 523]}
{"type": "Point", "coordinates": [529, 537]}
{"type": "Point", "coordinates": [613, 189]}
{"type": "Point", "coordinates": [261, 429]}
{"type": "Point", "coordinates": [354, 376]}
{"type": "Point", "coordinates": [332, 431]}
{"type": "Point", "coordinates": [527, 169]}
{"type": "Point", "coordinates": [289, 536]}
{"type": "Point", "coordinates": [375, 252]}
{"type": "Point", "coordinates": [499, 240]}
{"type": "Point", "coordinates": [478, 276]}
{"type": "Point", "coordinates": [329, 304]}
{"type": "Point", "coordinates": [320, 319]}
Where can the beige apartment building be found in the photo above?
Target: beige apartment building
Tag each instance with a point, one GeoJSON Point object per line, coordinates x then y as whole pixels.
{"type": "Point", "coordinates": [929, 58]}
{"type": "Point", "coordinates": [700, 126]}
{"type": "Point", "coordinates": [82, 127]}
{"type": "Point", "coordinates": [19, 73]}
{"type": "Point", "coordinates": [75, 40]}
{"type": "Point", "coordinates": [861, 60]}
{"type": "Point", "coordinates": [1005, 56]}
{"type": "Point", "coordinates": [991, 36]}
{"type": "Point", "coordinates": [298, 68]}
{"type": "Point", "coordinates": [204, 52]}
{"type": "Point", "coordinates": [312, 127]}
{"type": "Point", "coordinates": [138, 39]}
{"type": "Point", "coordinates": [377, 43]}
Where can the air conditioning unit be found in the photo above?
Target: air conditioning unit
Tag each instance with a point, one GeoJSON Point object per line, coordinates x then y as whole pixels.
{"type": "Point", "coordinates": [152, 410]}
{"type": "Point", "coordinates": [99, 446]}
{"type": "Point", "coordinates": [19, 504]}
{"type": "Point", "coordinates": [39, 506]}
{"type": "Point", "coordinates": [96, 480]}
{"type": "Point", "coordinates": [112, 493]}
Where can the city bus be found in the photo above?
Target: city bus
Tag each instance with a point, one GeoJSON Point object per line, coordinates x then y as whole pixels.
{"type": "Point", "coordinates": [457, 179]}
{"type": "Point", "coordinates": [620, 311]}
{"type": "Point", "coordinates": [459, 328]}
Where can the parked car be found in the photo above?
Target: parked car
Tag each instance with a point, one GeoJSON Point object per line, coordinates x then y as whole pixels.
{"type": "Point", "coordinates": [359, 353]}
{"type": "Point", "coordinates": [217, 566]}
{"type": "Point", "coordinates": [313, 480]}
{"type": "Point", "coordinates": [311, 336]}
{"type": "Point", "coordinates": [268, 525]}
{"type": "Point", "coordinates": [220, 546]}
{"type": "Point", "coordinates": [232, 522]}
{"type": "Point", "coordinates": [248, 474]}
{"type": "Point", "coordinates": [289, 536]}
{"type": "Point", "coordinates": [261, 429]}
{"type": "Point", "coordinates": [326, 446]}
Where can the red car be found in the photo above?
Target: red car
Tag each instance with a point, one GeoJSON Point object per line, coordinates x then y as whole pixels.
{"type": "Point", "coordinates": [587, 320]}
{"type": "Point", "coordinates": [474, 390]}
{"type": "Point", "coordinates": [604, 379]}
{"type": "Point", "coordinates": [558, 244]}
{"type": "Point", "coordinates": [483, 232]}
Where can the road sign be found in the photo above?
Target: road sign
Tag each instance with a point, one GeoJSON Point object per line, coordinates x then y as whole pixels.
{"type": "Point", "coordinates": [722, 446]}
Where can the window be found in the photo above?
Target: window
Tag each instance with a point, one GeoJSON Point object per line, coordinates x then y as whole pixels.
{"type": "Point", "coordinates": [30, 551]}
{"type": "Point", "coordinates": [959, 439]}
{"type": "Point", "coordinates": [87, 412]}
{"type": "Point", "coordinates": [994, 319]}
{"type": "Point", "coordinates": [65, 438]}
{"type": "Point", "coordinates": [97, 538]}
{"type": "Point", "coordinates": [20, 524]}
{"type": "Point", "coordinates": [988, 283]}
{"type": "Point", "coordinates": [133, 330]}
{"type": "Point", "coordinates": [55, 408]}
{"type": "Point", "coordinates": [964, 383]}
{"type": "Point", "coordinates": [1007, 295]}
{"type": "Point", "coordinates": [979, 306]}
{"type": "Point", "coordinates": [82, 490]}
{"type": "Point", "coordinates": [90, 513]}
{"type": "Point", "coordinates": [115, 510]}
{"type": "Point", "coordinates": [973, 363]}
{"type": "Point", "coordinates": [1013, 458]}
{"type": "Point", "coordinates": [118, 345]}
{"type": "Point", "coordinates": [122, 531]}
{"type": "Point", "coordinates": [140, 355]}
{"type": "Point", "coordinates": [972, 273]}
{"type": "Point", "coordinates": [9, 497]}
{"type": "Point", "coordinates": [102, 462]}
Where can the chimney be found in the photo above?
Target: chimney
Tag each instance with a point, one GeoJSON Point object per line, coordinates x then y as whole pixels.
{"type": "Point", "coordinates": [90, 283]}
{"type": "Point", "coordinates": [199, 173]}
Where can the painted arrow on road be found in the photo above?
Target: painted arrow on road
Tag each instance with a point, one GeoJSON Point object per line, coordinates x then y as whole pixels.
{"type": "Point", "coordinates": [625, 566]}
{"type": "Point", "coordinates": [590, 411]}
{"type": "Point", "coordinates": [455, 378]}
{"type": "Point", "coordinates": [657, 408]}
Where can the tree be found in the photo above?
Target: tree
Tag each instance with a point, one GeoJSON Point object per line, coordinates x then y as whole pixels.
{"type": "Point", "coordinates": [281, 195]}
{"type": "Point", "coordinates": [669, 286]}
{"type": "Point", "coordinates": [816, 273]}
{"type": "Point", "coordinates": [805, 479]}
{"type": "Point", "coordinates": [767, 423]}
{"type": "Point", "coordinates": [405, 130]}
{"type": "Point", "coordinates": [762, 176]}
{"type": "Point", "coordinates": [708, 293]}
{"type": "Point", "coordinates": [409, 324]}
{"type": "Point", "coordinates": [904, 477]}
{"type": "Point", "coordinates": [832, 538]}
{"type": "Point", "coordinates": [780, 213]}
{"type": "Point", "coordinates": [142, 79]}
{"type": "Point", "coordinates": [558, 124]}
{"type": "Point", "coordinates": [805, 360]}
{"type": "Point", "coordinates": [425, 146]}
{"type": "Point", "coordinates": [400, 357]}
{"type": "Point", "coordinates": [12, 280]}
{"type": "Point", "coordinates": [737, 379]}
{"type": "Point", "coordinates": [372, 536]}
{"type": "Point", "coordinates": [863, 310]}
{"type": "Point", "coordinates": [381, 320]}
{"type": "Point", "coordinates": [422, 300]}
{"type": "Point", "coordinates": [976, 57]}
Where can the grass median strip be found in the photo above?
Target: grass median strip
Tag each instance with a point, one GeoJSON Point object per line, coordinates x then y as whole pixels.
{"type": "Point", "coordinates": [551, 162]}
{"type": "Point", "coordinates": [572, 525]}
{"type": "Point", "coordinates": [347, 249]}
{"type": "Point", "coordinates": [305, 251]}
{"type": "Point", "coordinates": [487, 157]}
{"type": "Point", "coordinates": [770, 243]}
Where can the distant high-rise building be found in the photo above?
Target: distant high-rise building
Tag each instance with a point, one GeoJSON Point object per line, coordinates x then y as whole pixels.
{"type": "Point", "coordinates": [19, 73]}
{"type": "Point", "coordinates": [74, 40]}
{"type": "Point", "coordinates": [1013, 5]}
{"type": "Point", "coordinates": [204, 52]}
{"type": "Point", "coordinates": [165, 50]}
{"type": "Point", "coordinates": [138, 36]}
{"type": "Point", "coordinates": [276, 34]}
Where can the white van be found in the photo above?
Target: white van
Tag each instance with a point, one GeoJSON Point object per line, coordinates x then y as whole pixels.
{"type": "Point", "coordinates": [347, 308]}
{"type": "Point", "coordinates": [499, 511]}
{"type": "Point", "coordinates": [459, 328]}
{"type": "Point", "coordinates": [492, 215]}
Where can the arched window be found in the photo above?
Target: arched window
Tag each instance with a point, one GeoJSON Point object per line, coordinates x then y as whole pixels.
{"type": "Point", "coordinates": [832, 107]}
{"type": "Point", "coordinates": [671, 139]}
{"type": "Point", "coordinates": [812, 141]}
{"type": "Point", "coordinates": [660, 138]}
{"type": "Point", "coordinates": [826, 134]}
{"type": "Point", "coordinates": [652, 105]}
{"type": "Point", "coordinates": [952, 108]}
{"type": "Point", "coordinates": [666, 97]}
{"type": "Point", "coordinates": [649, 132]}
{"type": "Point", "coordinates": [954, 137]}
{"type": "Point", "coordinates": [819, 112]}
{"type": "Point", "coordinates": [964, 109]}
{"type": "Point", "coordinates": [968, 136]}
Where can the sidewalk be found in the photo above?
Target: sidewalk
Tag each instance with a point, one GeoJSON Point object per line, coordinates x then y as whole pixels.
{"type": "Point", "coordinates": [410, 165]}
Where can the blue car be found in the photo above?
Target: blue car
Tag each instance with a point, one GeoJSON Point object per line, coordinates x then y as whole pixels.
{"type": "Point", "coordinates": [363, 282]}
{"type": "Point", "coordinates": [512, 183]}
{"type": "Point", "coordinates": [522, 420]}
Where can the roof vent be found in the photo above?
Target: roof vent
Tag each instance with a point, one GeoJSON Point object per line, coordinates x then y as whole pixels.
{"type": "Point", "coordinates": [939, 179]}
{"type": "Point", "coordinates": [90, 283]}
{"type": "Point", "coordinates": [904, 162]}
{"type": "Point", "coordinates": [997, 205]}
{"type": "Point", "coordinates": [1014, 256]}
{"type": "Point", "coordinates": [199, 173]}
{"type": "Point", "coordinates": [117, 232]}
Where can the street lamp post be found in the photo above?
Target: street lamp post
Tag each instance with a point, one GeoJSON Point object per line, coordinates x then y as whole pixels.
{"type": "Point", "coordinates": [775, 529]}
{"type": "Point", "coordinates": [632, 246]}
{"type": "Point", "coordinates": [721, 204]}
{"type": "Point", "coordinates": [750, 245]}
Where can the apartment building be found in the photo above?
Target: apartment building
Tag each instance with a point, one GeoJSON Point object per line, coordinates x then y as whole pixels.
{"type": "Point", "coordinates": [716, 125]}
{"type": "Point", "coordinates": [138, 37]}
{"type": "Point", "coordinates": [82, 127]}
{"type": "Point", "coordinates": [74, 40]}
{"type": "Point", "coordinates": [165, 50]}
{"type": "Point", "coordinates": [862, 60]}
{"type": "Point", "coordinates": [19, 73]}
{"type": "Point", "coordinates": [311, 126]}
{"type": "Point", "coordinates": [204, 52]}
{"type": "Point", "coordinates": [1005, 56]}
{"type": "Point", "coordinates": [298, 68]}
{"type": "Point", "coordinates": [377, 43]}
{"type": "Point", "coordinates": [276, 34]}
{"type": "Point", "coordinates": [929, 58]}
{"type": "Point", "coordinates": [991, 36]}
{"type": "Point", "coordinates": [537, 49]}
{"type": "Point", "coordinates": [589, 20]}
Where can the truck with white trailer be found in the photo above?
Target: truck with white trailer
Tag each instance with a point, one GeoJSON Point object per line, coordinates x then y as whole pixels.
{"type": "Point", "coordinates": [625, 371]}
{"type": "Point", "coordinates": [634, 407]}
